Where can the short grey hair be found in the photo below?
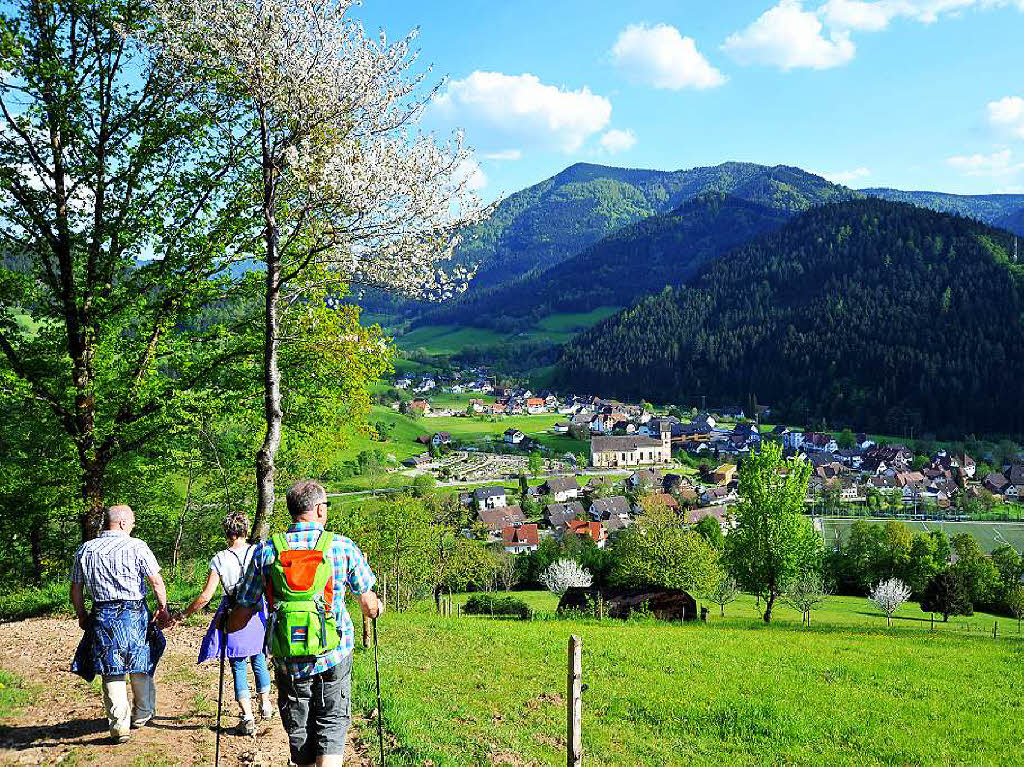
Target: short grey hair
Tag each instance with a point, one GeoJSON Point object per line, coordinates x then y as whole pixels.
{"type": "Point", "coordinates": [115, 515]}
{"type": "Point", "coordinates": [304, 496]}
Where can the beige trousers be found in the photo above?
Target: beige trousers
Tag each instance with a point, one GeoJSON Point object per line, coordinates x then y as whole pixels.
{"type": "Point", "coordinates": [115, 701]}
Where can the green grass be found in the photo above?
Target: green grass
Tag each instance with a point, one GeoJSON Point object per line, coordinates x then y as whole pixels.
{"type": "Point", "coordinates": [989, 535]}
{"type": "Point", "coordinates": [13, 694]}
{"type": "Point", "coordinates": [452, 339]}
{"type": "Point", "coordinates": [847, 690]}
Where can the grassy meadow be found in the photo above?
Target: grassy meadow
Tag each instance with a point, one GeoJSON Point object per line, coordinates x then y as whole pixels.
{"type": "Point", "coordinates": [847, 690]}
{"type": "Point", "coordinates": [988, 535]}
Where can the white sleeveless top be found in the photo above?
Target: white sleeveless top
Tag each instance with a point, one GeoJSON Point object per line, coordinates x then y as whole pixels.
{"type": "Point", "coordinates": [230, 566]}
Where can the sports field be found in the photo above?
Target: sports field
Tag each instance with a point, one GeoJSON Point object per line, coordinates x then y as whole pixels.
{"type": "Point", "coordinates": [989, 535]}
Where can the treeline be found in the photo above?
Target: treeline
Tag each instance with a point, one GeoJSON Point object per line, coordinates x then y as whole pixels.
{"type": "Point", "coordinates": [635, 261]}
{"type": "Point", "coordinates": [871, 553]}
{"type": "Point", "coordinates": [875, 314]}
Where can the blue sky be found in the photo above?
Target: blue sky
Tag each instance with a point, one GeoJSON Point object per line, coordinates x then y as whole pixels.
{"type": "Point", "coordinates": [914, 94]}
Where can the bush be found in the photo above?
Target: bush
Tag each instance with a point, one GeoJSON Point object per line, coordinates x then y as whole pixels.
{"type": "Point", "coordinates": [491, 604]}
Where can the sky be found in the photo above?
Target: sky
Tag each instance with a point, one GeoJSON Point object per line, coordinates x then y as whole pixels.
{"type": "Point", "coordinates": [912, 94]}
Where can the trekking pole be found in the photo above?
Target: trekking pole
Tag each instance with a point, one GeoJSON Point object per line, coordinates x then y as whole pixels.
{"type": "Point", "coordinates": [376, 669]}
{"type": "Point", "coordinates": [222, 630]}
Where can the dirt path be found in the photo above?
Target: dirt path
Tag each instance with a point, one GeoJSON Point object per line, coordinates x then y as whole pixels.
{"type": "Point", "coordinates": [65, 723]}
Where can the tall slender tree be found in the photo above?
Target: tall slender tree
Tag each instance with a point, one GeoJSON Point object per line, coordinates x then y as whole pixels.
{"type": "Point", "coordinates": [773, 542]}
{"type": "Point", "coordinates": [338, 179]}
{"type": "Point", "coordinates": [105, 192]}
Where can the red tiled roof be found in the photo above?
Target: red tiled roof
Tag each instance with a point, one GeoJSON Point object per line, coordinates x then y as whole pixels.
{"type": "Point", "coordinates": [593, 529]}
{"type": "Point", "coordinates": [520, 535]}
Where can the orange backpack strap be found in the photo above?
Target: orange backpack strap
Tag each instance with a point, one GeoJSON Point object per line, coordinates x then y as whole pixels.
{"type": "Point", "coordinates": [323, 545]}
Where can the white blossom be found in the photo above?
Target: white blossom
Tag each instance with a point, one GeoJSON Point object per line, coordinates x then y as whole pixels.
{"type": "Point", "coordinates": [334, 112]}
{"type": "Point", "coordinates": [889, 595]}
{"type": "Point", "coordinates": [562, 575]}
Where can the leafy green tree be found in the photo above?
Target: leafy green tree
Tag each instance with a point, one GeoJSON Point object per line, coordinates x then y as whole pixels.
{"type": "Point", "coordinates": [947, 595]}
{"type": "Point", "coordinates": [1013, 602]}
{"type": "Point", "coordinates": [709, 528]}
{"type": "Point", "coordinates": [659, 550]}
{"type": "Point", "coordinates": [773, 542]}
{"type": "Point", "coordinates": [977, 572]}
{"type": "Point", "coordinates": [1009, 567]}
{"type": "Point", "coordinates": [106, 200]}
{"type": "Point", "coordinates": [535, 463]}
{"type": "Point", "coordinates": [846, 439]}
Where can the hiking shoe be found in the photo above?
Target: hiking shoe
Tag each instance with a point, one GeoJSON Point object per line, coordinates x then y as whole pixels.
{"type": "Point", "coordinates": [119, 740]}
{"type": "Point", "coordinates": [267, 710]}
{"type": "Point", "coordinates": [246, 726]}
{"type": "Point", "coordinates": [141, 723]}
{"type": "Point", "coordinates": [119, 735]}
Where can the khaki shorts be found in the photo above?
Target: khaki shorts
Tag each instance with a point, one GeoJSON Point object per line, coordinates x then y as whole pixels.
{"type": "Point", "coordinates": [316, 711]}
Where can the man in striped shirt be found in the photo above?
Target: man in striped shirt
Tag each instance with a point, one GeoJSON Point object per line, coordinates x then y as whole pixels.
{"type": "Point", "coordinates": [314, 696]}
{"type": "Point", "coordinates": [119, 642]}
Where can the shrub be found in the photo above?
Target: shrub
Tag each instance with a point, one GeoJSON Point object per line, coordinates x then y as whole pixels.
{"type": "Point", "coordinates": [491, 604]}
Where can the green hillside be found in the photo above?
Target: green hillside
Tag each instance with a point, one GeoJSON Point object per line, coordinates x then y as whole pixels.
{"type": "Point", "coordinates": [1004, 210]}
{"type": "Point", "coordinates": [634, 261]}
{"type": "Point", "coordinates": [474, 690]}
{"type": "Point", "coordinates": [877, 314]}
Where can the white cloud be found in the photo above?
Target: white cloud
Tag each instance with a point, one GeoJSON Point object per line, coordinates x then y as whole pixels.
{"type": "Point", "coordinates": [615, 140]}
{"type": "Point", "coordinates": [661, 57]}
{"type": "Point", "coordinates": [470, 170]}
{"type": "Point", "coordinates": [847, 177]}
{"type": "Point", "coordinates": [1007, 114]}
{"type": "Point", "coordinates": [873, 15]}
{"type": "Point", "coordinates": [788, 37]}
{"type": "Point", "coordinates": [1000, 163]}
{"type": "Point", "coordinates": [498, 110]}
{"type": "Point", "coordinates": [504, 154]}
{"type": "Point", "coordinates": [856, 14]}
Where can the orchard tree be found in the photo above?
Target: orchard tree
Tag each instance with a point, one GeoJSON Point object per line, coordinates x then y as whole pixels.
{"type": "Point", "coordinates": [335, 185]}
{"type": "Point", "coordinates": [888, 596]}
{"type": "Point", "coordinates": [805, 593]}
{"type": "Point", "coordinates": [773, 542]}
{"type": "Point", "coordinates": [947, 595]}
{"type": "Point", "coordinates": [565, 574]}
{"type": "Point", "coordinates": [724, 591]}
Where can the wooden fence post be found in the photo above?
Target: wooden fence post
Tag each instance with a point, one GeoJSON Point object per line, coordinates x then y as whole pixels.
{"type": "Point", "coordinates": [995, 627]}
{"type": "Point", "coordinates": [574, 702]}
{"type": "Point", "coordinates": [366, 632]}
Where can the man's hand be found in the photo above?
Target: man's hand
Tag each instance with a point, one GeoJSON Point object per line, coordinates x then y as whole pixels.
{"type": "Point", "coordinates": [163, 618]}
{"type": "Point", "coordinates": [380, 608]}
{"type": "Point", "coordinates": [371, 605]}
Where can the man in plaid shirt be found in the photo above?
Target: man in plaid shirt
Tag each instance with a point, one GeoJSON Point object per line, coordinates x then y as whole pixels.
{"type": "Point", "coordinates": [314, 696]}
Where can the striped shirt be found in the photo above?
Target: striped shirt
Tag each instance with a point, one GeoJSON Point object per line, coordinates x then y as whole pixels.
{"type": "Point", "coordinates": [351, 571]}
{"type": "Point", "coordinates": [114, 566]}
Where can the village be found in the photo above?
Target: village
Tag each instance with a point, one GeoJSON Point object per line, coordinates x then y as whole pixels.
{"type": "Point", "coordinates": [689, 462]}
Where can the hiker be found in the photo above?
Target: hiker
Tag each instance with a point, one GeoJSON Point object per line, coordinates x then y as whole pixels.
{"type": "Point", "coordinates": [227, 568]}
{"type": "Point", "coordinates": [304, 573]}
{"type": "Point", "coordinates": [120, 642]}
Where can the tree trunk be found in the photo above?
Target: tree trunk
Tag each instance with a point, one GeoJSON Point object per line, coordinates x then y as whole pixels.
{"type": "Point", "coordinates": [721, 610]}
{"type": "Point", "coordinates": [769, 603]}
{"type": "Point", "coordinates": [437, 597]}
{"type": "Point", "coordinates": [272, 410]}
{"type": "Point", "coordinates": [91, 517]}
{"type": "Point", "coordinates": [176, 553]}
{"type": "Point", "coordinates": [35, 538]}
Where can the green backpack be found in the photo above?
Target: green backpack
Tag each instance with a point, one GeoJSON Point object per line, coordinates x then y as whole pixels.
{"type": "Point", "coordinates": [300, 598]}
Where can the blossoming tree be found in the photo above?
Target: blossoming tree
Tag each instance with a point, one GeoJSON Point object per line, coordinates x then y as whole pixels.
{"type": "Point", "coordinates": [332, 181]}
{"type": "Point", "coordinates": [564, 574]}
{"type": "Point", "coordinates": [888, 596]}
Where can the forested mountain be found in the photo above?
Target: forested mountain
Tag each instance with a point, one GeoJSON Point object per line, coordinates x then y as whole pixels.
{"type": "Point", "coordinates": [636, 260]}
{"type": "Point", "coordinates": [1003, 210]}
{"type": "Point", "coordinates": [872, 313]}
{"type": "Point", "coordinates": [555, 219]}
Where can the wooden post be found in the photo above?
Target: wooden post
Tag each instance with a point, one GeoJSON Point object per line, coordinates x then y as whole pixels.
{"type": "Point", "coordinates": [995, 628]}
{"type": "Point", "coordinates": [933, 622]}
{"type": "Point", "coordinates": [574, 701]}
{"type": "Point", "coordinates": [366, 632]}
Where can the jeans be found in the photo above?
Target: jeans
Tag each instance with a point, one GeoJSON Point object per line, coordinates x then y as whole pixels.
{"type": "Point", "coordinates": [259, 670]}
